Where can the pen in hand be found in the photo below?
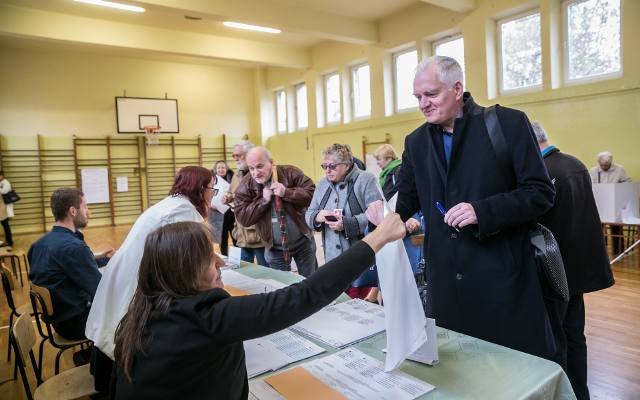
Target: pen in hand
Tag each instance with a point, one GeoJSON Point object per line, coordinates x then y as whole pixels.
{"type": "Point", "coordinates": [442, 210]}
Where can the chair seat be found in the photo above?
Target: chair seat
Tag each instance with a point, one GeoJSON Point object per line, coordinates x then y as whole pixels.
{"type": "Point", "coordinates": [70, 384]}
{"type": "Point", "coordinates": [24, 309]}
{"type": "Point", "coordinates": [62, 341]}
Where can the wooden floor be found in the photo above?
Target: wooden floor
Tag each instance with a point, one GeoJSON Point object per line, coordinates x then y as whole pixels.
{"type": "Point", "coordinates": [612, 327]}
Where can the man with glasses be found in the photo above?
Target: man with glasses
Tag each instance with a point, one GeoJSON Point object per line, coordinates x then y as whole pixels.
{"type": "Point", "coordinates": [481, 271]}
{"type": "Point", "coordinates": [275, 198]}
{"type": "Point", "coordinates": [247, 237]}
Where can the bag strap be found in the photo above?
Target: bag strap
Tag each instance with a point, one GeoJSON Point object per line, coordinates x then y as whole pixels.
{"type": "Point", "coordinates": [499, 144]}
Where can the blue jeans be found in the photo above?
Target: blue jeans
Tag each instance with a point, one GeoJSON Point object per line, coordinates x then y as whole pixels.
{"type": "Point", "coordinates": [303, 251]}
{"type": "Point", "coordinates": [247, 254]}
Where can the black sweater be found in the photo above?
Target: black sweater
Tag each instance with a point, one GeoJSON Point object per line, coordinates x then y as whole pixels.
{"type": "Point", "coordinates": [196, 348]}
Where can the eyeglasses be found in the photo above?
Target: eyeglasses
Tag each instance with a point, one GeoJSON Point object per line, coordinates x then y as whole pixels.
{"type": "Point", "coordinates": [215, 191]}
{"type": "Point", "coordinates": [331, 166]}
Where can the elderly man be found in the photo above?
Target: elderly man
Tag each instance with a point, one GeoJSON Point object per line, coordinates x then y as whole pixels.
{"type": "Point", "coordinates": [251, 246]}
{"type": "Point", "coordinates": [575, 215]}
{"type": "Point", "coordinates": [63, 263]}
{"type": "Point", "coordinates": [608, 172]}
{"type": "Point", "coordinates": [481, 270]}
{"type": "Point", "coordinates": [275, 200]}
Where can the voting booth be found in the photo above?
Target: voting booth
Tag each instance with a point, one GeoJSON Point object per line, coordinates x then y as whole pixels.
{"type": "Point", "coordinates": [611, 198]}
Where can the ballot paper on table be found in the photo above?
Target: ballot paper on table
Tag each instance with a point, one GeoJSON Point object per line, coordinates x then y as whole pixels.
{"type": "Point", "coordinates": [351, 373]}
{"type": "Point", "coordinates": [272, 352]}
{"type": "Point", "coordinates": [428, 353]}
{"type": "Point", "coordinates": [216, 201]}
{"type": "Point", "coordinates": [234, 258]}
{"type": "Point", "coordinates": [404, 315]}
{"type": "Point", "coordinates": [344, 323]}
{"type": "Point", "coordinates": [248, 284]}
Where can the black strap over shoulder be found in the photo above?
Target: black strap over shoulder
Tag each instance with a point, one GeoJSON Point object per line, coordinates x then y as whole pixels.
{"type": "Point", "coordinates": [499, 144]}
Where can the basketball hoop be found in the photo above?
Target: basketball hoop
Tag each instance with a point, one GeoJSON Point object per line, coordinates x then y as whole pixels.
{"type": "Point", "coordinates": [151, 132]}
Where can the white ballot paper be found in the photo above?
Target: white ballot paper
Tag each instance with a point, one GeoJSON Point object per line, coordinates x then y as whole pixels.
{"type": "Point", "coordinates": [216, 201]}
{"type": "Point", "coordinates": [405, 320]}
{"type": "Point", "coordinates": [428, 353]}
{"type": "Point", "coordinates": [270, 353]}
{"type": "Point", "coordinates": [358, 376]}
{"type": "Point", "coordinates": [345, 323]}
{"type": "Point", "coordinates": [260, 390]}
{"type": "Point", "coordinates": [248, 284]}
{"type": "Point", "coordinates": [235, 256]}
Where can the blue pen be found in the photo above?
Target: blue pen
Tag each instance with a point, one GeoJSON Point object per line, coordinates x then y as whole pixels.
{"type": "Point", "coordinates": [442, 210]}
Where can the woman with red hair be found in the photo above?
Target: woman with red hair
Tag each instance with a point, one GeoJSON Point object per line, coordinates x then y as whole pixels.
{"type": "Point", "coordinates": [188, 200]}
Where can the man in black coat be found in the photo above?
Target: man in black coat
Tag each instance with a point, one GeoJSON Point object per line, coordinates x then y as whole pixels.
{"type": "Point", "coordinates": [481, 276]}
{"type": "Point", "coordinates": [575, 223]}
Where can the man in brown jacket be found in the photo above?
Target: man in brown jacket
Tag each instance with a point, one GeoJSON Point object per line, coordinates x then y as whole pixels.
{"type": "Point", "coordinates": [246, 236]}
{"type": "Point", "coordinates": [275, 199]}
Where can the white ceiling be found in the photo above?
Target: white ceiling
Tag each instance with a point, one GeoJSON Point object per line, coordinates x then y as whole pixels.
{"type": "Point", "coordinates": [163, 27]}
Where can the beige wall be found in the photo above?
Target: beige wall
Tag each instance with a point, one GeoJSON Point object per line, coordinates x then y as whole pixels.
{"type": "Point", "coordinates": [55, 91]}
{"type": "Point", "coordinates": [581, 119]}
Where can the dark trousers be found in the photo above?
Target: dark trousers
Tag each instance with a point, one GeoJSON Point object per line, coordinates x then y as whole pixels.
{"type": "Point", "coordinates": [102, 369]}
{"type": "Point", "coordinates": [227, 228]}
{"type": "Point", "coordinates": [8, 238]}
{"type": "Point", "coordinates": [303, 251]}
{"type": "Point", "coordinates": [573, 325]}
{"type": "Point", "coordinates": [248, 253]}
{"type": "Point", "coordinates": [72, 328]}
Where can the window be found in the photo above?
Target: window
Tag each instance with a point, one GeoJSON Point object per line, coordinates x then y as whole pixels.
{"type": "Point", "coordinates": [332, 98]}
{"type": "Point", "coordinates": [520, 52]}
{"type": "Point", "coordinates": [281, 111]}
{"type": "Point", "coordinates": [404, 69]}
{"type": "Point", "coordinates": [592, 38]}
{"type": "Point", "coordinates": [302, 115]}
{"type": "Point", "coordinates": [360, 81]}
{"type": "Point", "coordinates": [451, 47]}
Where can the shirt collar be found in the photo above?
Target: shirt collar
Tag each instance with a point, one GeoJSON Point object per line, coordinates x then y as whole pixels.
{"type": "Point", "coordinates": [547, 150]}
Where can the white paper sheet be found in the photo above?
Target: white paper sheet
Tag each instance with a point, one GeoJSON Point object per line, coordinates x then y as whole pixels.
{"type": "Point", "coordinates": [405, 319]}
{"type": "Point", "coordinates": [122, 184]}
{"type": "Point", "coordinates": [95, 185]}
{"type": "Point", "coordinates": [361, 377]}
{"type": "Point", "coordinates": [260, 390]}
{"type": "Point", "coordinates": [345, 323]}
{"type": "Point", "coordinates": [248, 284]}
{"type": "Point", "coordinates": [216, 201]}
{"type": "Point", "coordinates": [277, 350]}
{"type": "Point", "coordinates": [428, 353]}
{"type": "Point", "coordinates": [234, 258]}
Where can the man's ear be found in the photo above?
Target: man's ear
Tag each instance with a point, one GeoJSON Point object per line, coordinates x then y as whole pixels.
{"type": "Point", "coordinates": [72, 211]}
{"type": "Point", "coordinates": [459, 90]}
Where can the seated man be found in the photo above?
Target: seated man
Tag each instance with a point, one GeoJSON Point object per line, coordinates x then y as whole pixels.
{"type": "Point", "coordinates": [63, 263]}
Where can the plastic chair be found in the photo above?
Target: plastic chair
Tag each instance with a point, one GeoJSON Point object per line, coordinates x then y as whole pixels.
{"type": "Point", "coordinates": [71, 384]}
{"type": "Point", "coordinates": [41, 302]}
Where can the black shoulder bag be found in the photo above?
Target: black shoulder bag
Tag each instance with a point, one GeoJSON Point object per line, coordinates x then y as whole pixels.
{"type": "Point", "coordinates": [10, 197]}
{"type": "Point", "coordinates": [546, 249]}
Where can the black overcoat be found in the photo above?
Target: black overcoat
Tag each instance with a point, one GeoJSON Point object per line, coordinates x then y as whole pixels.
{"type": "Point", "coordinates": [575, 223]}
{"type": "Point", "coordinates": [482, 281]}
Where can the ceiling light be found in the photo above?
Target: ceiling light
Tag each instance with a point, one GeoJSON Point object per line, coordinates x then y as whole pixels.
{"type": "Point", "coordinates": [251, 27]}
{"type": "Point", "coordinates": [111, 4]}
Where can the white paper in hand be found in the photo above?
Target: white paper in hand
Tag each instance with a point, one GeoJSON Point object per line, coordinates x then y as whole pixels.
{"type": "Point", "coordinates": [405, 320]}
{"type": "Point", "coordinates": [216, 201]}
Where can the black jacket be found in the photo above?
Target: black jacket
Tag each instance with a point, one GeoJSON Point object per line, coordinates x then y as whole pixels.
{"type": "Point", "coordinates": [575, 223]}
{"type": "Point", "coordinates": [482, 281]}
{"type": "Point", "coordinates": [196, 348]}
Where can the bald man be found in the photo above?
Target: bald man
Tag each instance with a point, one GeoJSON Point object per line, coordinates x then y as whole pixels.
{"type": "Point", "coordinates": [276, 203]}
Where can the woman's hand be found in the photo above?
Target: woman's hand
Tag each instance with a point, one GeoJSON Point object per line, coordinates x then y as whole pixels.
{"type": "Point", "coordinates": [412, 225]}
{"type": "Point", "coordinates": [390, 229]}
{"type": "Point", "coordinates": [375, 212]}
{"type": "Point", "coordinates": [321, 214]}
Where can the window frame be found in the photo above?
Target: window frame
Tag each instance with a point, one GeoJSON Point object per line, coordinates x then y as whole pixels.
{"type": "Point", "coordinates": [286, 117]}
{"type": "Point", "coordinates": [325, 80]}
{"type": "Point", "coordinates": [565, 51]}
{"type": "Point", "coordinates": [295, 91]}
{"type": "Point", "coordinates": [525, 89]}
{"type": "Point", "coordinates": [394, 57]}
{"type": "Point", "coordinates": [353, 69]}
{"type": "Point", "coordinates": [451, 38]}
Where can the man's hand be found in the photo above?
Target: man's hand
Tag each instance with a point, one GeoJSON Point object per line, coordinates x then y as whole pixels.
{"type": "Point", "coordinates": [461, 215]}
{"type": "Point", "coordinates": [278, 189]}
{"type": "Point", "coordinates": [412, 225]}
{"type": "Point", "coordinates": [105, 254]}
{"type": "Point", "coordinates": [267, 193]}
{"type": "Point", "coordinates": [375, 212]}
{"type": "Point", "coordinates": [321, 214]}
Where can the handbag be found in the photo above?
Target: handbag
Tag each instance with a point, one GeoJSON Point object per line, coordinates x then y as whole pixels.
{"type": "Point", "coordinates": [10, 197]}
{"type": "Point", "coordinates": [546, 250]}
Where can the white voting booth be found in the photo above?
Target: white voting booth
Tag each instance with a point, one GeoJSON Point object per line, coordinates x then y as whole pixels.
{"type": "Point", "coordinates": [611, 198]}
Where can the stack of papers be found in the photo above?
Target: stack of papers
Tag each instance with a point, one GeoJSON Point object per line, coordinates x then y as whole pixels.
{"type": "Point", "coordinates": [243, 283]}
{"type": "Point", "coordinates": [348, 374]}
{"type": "Point", "coordinates": [277, 350]}
{"type": "Point", "coordinates": [345, 323]}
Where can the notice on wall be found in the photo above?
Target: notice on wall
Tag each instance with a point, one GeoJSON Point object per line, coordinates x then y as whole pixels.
{"type": "Point", "coordinates": [95, 185]}
{"type": "Point", "coordinates": [122, 184]}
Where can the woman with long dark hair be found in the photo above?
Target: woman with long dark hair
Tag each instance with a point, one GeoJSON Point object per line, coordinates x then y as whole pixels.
{"type": "Point", "coordinates": [182, 335]}
{"type": "Point", "coordinates": [188, 200]}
